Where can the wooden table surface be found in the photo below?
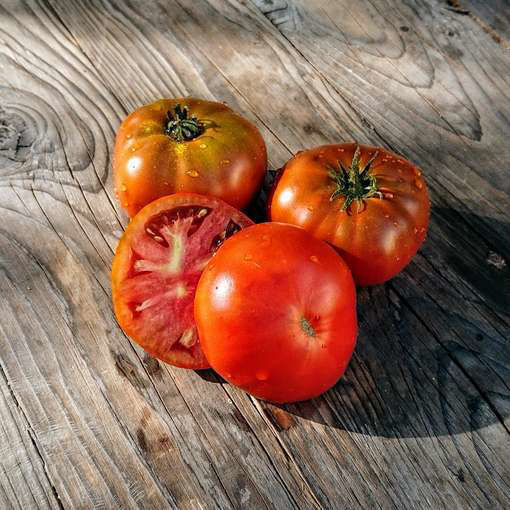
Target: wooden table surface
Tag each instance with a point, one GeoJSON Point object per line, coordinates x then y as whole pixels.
{"type": "Point", "coordinates": [421, 418]}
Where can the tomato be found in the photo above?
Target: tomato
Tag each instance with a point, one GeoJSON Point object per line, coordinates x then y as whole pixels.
{"type": "Point", "coordinates": [156, 269]}
{"type": "Point", "coordinates": [276, 313]}
{"type": "Point", "coordinates": [370, 204]}
{"type": "Point", "coordinates": [188, 145]}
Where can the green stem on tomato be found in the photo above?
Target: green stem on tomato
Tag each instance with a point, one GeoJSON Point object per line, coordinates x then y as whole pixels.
{"type": "Point", "coordinates": [354, 183]}
{"type": "Point", "coordinates": [182, 128]}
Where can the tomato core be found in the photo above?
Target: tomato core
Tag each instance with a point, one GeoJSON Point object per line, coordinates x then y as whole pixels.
{"type": "Point", "coordinates": [307, 327]}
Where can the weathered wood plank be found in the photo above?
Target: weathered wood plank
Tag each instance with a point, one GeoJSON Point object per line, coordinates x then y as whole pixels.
{"type": "Point", "coordinates": [493, 17]}
{"type": "Point", "coordinates": [422, 416]}
{"type": "Point", "coordinates": [23, 480]}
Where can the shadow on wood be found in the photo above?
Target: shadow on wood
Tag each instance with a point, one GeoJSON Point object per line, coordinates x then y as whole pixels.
{"type": "Point", "coordinates": [433, 356]}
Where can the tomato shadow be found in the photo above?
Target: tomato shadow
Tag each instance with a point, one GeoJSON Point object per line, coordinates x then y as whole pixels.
{"type": "Point", "coordinates": [433, 356]}
{"type": "Point", "coordinates": [257, 209]}
{"type": "Point", "coordinates": [211, 376]}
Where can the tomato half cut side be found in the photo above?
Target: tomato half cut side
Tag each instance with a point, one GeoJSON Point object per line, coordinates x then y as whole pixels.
{"type": "Point", "coordinates": [156, 269]}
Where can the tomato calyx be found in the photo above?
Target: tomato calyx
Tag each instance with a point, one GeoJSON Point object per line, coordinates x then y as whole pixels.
{"type": "Point", "coordinates": [355, 184]}
{"type": "Point", "coordinates": [307, 327]}
{"type": "Point", "coordinates": [181, 127]}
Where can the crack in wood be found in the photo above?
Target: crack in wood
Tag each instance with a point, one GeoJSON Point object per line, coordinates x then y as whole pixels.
{"type": "Point", "coordinates": [32, 435]}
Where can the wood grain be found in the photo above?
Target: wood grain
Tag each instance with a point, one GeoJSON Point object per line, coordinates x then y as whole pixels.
{"type": "Point", "coordinates": [421, 419]}
{"type": "Point", "coordinates": [493, 17]}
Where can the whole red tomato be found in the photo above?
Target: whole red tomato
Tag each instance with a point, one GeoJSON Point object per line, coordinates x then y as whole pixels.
{"type": "Point", "coordinates": [190, 145]}
{"type": "Point", "coordinates": [276, 313]}
{"type": "Point", "coordinates": [156, 269]}
{"type": "Point", "coordinates": [372, 205]}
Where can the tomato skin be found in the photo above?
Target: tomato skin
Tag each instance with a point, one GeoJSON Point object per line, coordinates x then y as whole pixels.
{"type": "Point", "coordinates": [377, 241]}
{"type": "Point", "coordinates": [139, 327]}
{"type": "Point", "coordinates": [228, 160]}
{"type": "Point", "coordinates": [249, 308]}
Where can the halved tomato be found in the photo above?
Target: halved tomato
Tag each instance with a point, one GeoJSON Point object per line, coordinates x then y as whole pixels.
{"type": "Point", "coordinates": [156, 269]}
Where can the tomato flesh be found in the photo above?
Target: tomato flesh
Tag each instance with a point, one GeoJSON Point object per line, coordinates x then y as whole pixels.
{"type": "Point", "coordinates": [157, 267]}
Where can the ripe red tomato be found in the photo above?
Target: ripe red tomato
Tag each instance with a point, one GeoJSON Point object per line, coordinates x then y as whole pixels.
{"type": "Point", "coordinates": [156, 269]}
{"type": "Point", "coordinates": [372, 205]}
{"type": "Point", "coordinates": [276, 313]}
{"type": "Point", "coordinates": [190, 145]}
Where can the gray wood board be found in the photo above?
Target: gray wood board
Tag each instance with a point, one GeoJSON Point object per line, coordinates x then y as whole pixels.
{"type": "Point", "coordinates": [421, 418]}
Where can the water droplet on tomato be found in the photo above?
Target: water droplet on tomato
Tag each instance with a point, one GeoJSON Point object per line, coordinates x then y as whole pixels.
{"type": "Point", "coordinates": [123, 187]}
{"type": "Point", "coordinates": [395, 224]}
{"type": "Point", "coordinates": [418, 183]}
{"type": "Point", "coordinates": [133, 149]}
{"type": "Point", "coordinates": [340, 149]}
{"type": "Point", "coordinates": [248, 256]}
{"type": "Point", "coordinates": [400, 170]}
{"type": "Point", "coordinates": [386, 215]}
{"type": "Point", "coordinates": [262, 375]}
{"type": "Point", "coordinates": [389, 195]}
{"type": "Point", "coordinates": [192, 173]}
{"type": "Point", "coordinates": [225, 161]}
{"type": "Point", "coordinates": [314, 258]}
{"type": "Point", "coordinates": [203, 146]}
{"type": "Point", "coordinates": [417, 172]}
{"type": "Point", "coordinates": [415, 230]}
